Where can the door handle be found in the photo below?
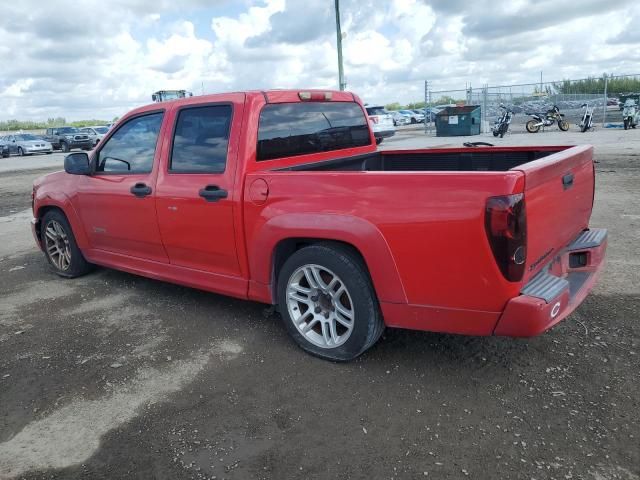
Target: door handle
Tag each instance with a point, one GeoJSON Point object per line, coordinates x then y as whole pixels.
{"type": "Point", "coordinates": [141, 190]}
{"type": "Point", "coordinates": [567, 180]}
{"type": "Point", "coordinates": [213, 193]}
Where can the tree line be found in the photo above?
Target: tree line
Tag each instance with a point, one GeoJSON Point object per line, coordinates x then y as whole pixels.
{"type": "Point", "coordinates": [11, 125]}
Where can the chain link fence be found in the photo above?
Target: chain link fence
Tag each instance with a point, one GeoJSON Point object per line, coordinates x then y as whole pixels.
{"type": "Point", "coordinates": [604, 94]}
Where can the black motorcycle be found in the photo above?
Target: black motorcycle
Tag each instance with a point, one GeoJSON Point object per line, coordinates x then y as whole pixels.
{"type": "Point", "coordinates": [547, 119]}
{"type": "Point", "coordinates": [501, 126]}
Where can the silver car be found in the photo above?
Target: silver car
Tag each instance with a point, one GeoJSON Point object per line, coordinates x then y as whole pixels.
{"type": "Point", "coordinates": [96, 134]}
{"type": "Point", "coordinates": [27, 144]}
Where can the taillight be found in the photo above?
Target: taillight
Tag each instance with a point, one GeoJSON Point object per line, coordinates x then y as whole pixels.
{"type": "Point", "coordinates": [374, 118]}
{"type": "Point", "coordinates": [315, 96]}
{"type": "Point", "coordinates": [506, 225]}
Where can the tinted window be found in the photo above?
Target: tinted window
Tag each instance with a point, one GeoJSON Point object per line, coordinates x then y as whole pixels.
{"type": "Point", "coordinates": [376, 110]}
{"type": "Point", "coordinates": [131, 149]}
{"type": "Point", "coordinates": [200, 140]}
{"type": "Point", "coordinates": [290, 129]}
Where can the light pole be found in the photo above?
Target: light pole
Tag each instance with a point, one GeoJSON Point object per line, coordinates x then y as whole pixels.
{"type": "Point", "coordinates": [339, 43]}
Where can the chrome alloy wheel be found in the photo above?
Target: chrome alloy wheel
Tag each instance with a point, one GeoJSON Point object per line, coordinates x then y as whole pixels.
{"type": "Point", "coordinates": [320, 306]}
{"type": "Point", "coordinates": [57, 244]}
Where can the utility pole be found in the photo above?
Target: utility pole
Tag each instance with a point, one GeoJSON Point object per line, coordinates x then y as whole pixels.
{"type": "Point", "coordinates": [341, 83]}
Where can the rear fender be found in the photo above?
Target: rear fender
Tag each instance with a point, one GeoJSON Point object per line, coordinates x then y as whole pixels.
{"type": "Point", "coordinates": [61, 201]}
{"type": "Point", "coordinates": [357, 232]}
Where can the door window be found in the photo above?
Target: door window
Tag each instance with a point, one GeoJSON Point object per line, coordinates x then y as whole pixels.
{"type": "Point", "coordinates": [201, 139]}
{"type": "Point", "coordinates": [132, 147]}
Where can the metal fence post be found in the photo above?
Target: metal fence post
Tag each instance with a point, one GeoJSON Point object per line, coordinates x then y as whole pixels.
{"type": "Point", "coordinates": [485, 92]}
{"type": "Point", "coordinates": [606, 100]}
{"type": "Point", "coordinates": [426, 101]}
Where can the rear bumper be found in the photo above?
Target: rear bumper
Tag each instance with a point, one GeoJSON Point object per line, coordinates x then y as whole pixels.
{"type": "Point", "coordinates": [384, 133]}
{"type": "Point", "coordinates": [554, 293]}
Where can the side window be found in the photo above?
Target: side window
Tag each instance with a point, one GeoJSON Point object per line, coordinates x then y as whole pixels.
{"type": "Point", "coordinates": [200, 140]}
{"type": "Point", "coordinates": [132, 147]}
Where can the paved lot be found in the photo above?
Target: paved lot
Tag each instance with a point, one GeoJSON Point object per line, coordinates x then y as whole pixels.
{"type": "Point", "coordinates": [116, 376]}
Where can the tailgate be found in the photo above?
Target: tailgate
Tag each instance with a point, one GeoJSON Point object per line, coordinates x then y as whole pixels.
{"type": "Point", "coordinates": [558, 198]}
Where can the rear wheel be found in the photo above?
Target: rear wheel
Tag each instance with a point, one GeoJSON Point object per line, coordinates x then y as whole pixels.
{"type": "Point", "coordinates": [563, 125]}
{"type": "Point", "coordinates": [328, 303]}
{"type": "Point", "coordinates": [495, 133]}
{"type": "Point", "coordinates": [532, 126]}
{"type": "Point", "coordinates": [60, 246]}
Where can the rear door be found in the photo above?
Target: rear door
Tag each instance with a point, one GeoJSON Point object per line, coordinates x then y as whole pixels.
{"type": "Point", "coordinates": [194, 195]}
{"type": "Point", "coordinates": [559, 198]}
{"type": "Point", "coordinates": [116, 203]}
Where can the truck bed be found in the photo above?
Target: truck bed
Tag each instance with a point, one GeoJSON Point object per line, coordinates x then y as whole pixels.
{"type": "Point", "coordinates": [491, 159]}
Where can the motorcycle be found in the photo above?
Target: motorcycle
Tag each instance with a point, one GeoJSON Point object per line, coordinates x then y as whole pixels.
{"type": "Point", "coordinates": [501, 126]}
{"type": "Point", "coordinates": [630, 114]}
{"type": "Point", "coordinates": [587, 118]}
{"type": "Point", "coordinates": [547, 119]}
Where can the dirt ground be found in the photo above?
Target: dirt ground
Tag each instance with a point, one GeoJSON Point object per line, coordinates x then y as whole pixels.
{"type": "Point", "coordinates": [116, 376]}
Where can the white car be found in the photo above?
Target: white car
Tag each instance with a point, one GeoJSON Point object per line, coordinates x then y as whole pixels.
{"type": "Point", "coordinates": [399, 119]}
{"type": "Point", "coordinates": [95, 133]}
{"type": "Point", "coordinates": [413, 116]}
{"type": "Point", "coordinates": [381, 123]}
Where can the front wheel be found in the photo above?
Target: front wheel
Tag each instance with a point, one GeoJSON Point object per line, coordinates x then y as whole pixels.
{"type": "Point", "coordinates": [585, 125]}
{"type": "Point", "coordinates": [532, 126]}
{"type": "Point", "coordinates": [378, 140]}
{"type": "Point", "coordinates": [328, 303]}
{"type": "Point", "coordinates": [60, 246]}
{"type": "Point", "coordinates": [20, 152]}
{"type": "Point", "coordinates": [64, 146]}
{"type": "Point", "coordinates": [563, 125]}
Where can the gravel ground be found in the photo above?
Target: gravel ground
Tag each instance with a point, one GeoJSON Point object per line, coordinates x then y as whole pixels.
{"type": "Point", "coordinates": [117, 376]}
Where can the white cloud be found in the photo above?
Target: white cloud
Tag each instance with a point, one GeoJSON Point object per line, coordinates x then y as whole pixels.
{"type": "Point", "coordinates": [105, 58]}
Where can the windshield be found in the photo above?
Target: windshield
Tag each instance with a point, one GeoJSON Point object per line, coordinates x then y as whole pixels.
{"type": "Point", "coordinates": [101, 129]}
{"type": "Point", "coordinates": [68, 130]}
{"type": "Point", "coordinates": [27, 136]}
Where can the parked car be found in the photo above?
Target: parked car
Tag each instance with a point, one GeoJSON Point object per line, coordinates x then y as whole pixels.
{"type": "Point", "coordinates": [4, 148]}
{"type": "Point", "coordinates": [307, 214]}
{"type": "Point", "coordinates": [413, 116]}
{"type": "Point", "coordinates": [68, 138]}
{"type": "Point", "coordinates": [399, 119]}
{"type": "Point", "coordinates": [27, 144]}
{"type": "Point", "coordinates": [96, 133]}
{"type": "Point", "coordinates": [381, 122]}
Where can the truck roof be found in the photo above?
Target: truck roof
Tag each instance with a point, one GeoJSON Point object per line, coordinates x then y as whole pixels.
{"type": "Point", "coordinates": [270, 96]}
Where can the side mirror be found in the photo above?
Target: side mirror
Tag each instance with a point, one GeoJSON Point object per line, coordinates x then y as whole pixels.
{"type": "Point", "coordinates": [77, 163]}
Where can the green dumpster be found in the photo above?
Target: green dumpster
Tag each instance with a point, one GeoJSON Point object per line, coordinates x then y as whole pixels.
{"type": "Point", "coordinates": [458, 121]}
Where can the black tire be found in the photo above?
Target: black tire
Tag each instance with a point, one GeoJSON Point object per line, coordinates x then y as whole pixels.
{"type": "Point", "coordinates": [626, 124]}
{"type": "Point", "coordinates": [585, 127]}
{"type": "Point", "coordinates": [64, 146]}
{"type": "Point", "coordinates": [563, 125]}
{"type": "Point", "coordinates": [378, 140]}
{"type": "Point", "coordinates": [368, 324]}
{"type": "Point", "coordinates": [413, 120]}
{"type": "Point", "coordinates": [48, 153]}
{"type": "Point", "coordinates": [78, 265]}
{"type": "Point", "coordinates": [20, 152]}
{"type": "Point", "coordinates": [495, 133]}
{"type": "Point", "coordinates": [532, 127]}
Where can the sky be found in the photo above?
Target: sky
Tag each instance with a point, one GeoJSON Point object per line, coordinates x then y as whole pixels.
{"type": "Point", "coordinates": [87, 59]}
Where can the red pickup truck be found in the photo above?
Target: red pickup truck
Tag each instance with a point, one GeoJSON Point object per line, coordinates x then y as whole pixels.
{"type": "Point", "coordinates": [282, 197]}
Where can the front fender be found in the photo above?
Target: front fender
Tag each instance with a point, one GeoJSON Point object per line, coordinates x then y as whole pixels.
{"type": "Point", "coordinates": [63, 202]}
{"type": "Point", "coordinates": [361, 234]}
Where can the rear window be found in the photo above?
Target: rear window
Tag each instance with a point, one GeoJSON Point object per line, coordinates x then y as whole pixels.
{"type": "Point", "coordinates": [291, 129]}
{"type": "Point", "coordinates": [376, 111]}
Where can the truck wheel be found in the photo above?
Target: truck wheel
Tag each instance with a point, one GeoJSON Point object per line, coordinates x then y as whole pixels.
{"type": "Point", "coordinates": [64, 147]}
{"type": "Point", "coordinates": [60, 246]}
{"type": "Point", "coordinates": [328, 303]}
{"type": "Point", "coordinates": [532, 127]}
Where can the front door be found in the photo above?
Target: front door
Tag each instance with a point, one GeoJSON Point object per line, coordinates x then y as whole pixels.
{"type": "Point", "coordinates": [194, 195]}
{"type": "Point", "coordinates": [117, 202]}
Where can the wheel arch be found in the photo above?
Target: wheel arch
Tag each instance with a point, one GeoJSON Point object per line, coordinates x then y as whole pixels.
{"type": "Point", "coordinates": [283, 235]}
{"type": "Point", "coordinates": [63, 205]}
